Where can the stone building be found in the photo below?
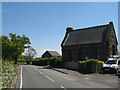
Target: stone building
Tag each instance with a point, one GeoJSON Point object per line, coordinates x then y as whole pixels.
{"type": "Point", "coordinates": [49, 54]}
{"type": "Point", "coordinates": [98, 42]}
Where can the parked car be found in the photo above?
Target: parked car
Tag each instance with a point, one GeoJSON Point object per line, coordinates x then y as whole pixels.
{"type": "Point", "coordinates": [112, 65]}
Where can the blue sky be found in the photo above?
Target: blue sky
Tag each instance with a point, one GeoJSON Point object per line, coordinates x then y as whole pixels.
{"type": "Point", "coordinates": [45, 23]}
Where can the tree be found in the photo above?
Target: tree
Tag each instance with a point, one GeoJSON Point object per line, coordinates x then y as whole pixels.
{"type": "Point", "coordinates": [5, 47]}
{"type": "Point", "coordinates": [30, 53]}
{"type": "Point", "coordinates": [13, 46]}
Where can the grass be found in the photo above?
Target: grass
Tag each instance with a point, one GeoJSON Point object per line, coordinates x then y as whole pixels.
{"type": "Point", "coordinates": [22, 62]}
{"type": "Point", "coordinates": [9, 71]}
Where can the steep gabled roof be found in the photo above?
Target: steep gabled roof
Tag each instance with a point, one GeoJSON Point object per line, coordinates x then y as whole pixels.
{"type": "Point", "coordinates": [88, 35]}
{"type": "Point", "coordinates": [54, 53]}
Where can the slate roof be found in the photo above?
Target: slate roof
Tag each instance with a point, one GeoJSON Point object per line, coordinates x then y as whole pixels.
{"type": "Point", "coordinates": [54, 53]}
{"type": "Point", "coordinates": [96, 34]}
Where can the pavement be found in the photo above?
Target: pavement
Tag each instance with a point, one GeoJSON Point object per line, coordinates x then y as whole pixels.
{"type": "Point", "coordinates": [76, 73]}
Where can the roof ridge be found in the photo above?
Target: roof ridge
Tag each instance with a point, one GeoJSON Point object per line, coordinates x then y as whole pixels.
{"type": "Point", "coordinates": [50, 50]}
{"type": "Point", "coordinates": [90, 27]}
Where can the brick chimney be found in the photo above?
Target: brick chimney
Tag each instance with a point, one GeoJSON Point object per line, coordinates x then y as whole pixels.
{"type": "Point", "coordinates": [69, 29]}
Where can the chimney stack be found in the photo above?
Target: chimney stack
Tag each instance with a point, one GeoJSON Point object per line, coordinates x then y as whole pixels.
{"type": "Point", "coordinates": [69, 29]}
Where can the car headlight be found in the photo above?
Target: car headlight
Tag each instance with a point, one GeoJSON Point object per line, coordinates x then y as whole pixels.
{"type": "Point", "coordinates": [113, 67]}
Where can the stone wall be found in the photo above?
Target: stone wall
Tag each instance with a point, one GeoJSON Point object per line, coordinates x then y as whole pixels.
{"type": "Point", "coordinates": [72, 53]}
{"type": "Point", "coordinates": [72, 65]}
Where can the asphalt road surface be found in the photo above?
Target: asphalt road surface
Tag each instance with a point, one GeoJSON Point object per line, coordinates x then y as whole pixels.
{"type": "Point", "coordinates": [40, 77]}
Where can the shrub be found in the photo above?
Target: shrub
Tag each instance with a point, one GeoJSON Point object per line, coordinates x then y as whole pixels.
{"type": "Point", "coordinates": [92, 60]}
{"type": "Point", "coordinates": [40, 61]}
{"type": "Point", "coordinates": [56, 62]}
{"type": "Point", "coordinates": [91, 65]}
{"type": "Point", "coordinates": [53, 61]}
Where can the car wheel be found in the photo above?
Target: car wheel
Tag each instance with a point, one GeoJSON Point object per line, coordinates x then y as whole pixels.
{"type": "Point", "coordinates": [103, 72]}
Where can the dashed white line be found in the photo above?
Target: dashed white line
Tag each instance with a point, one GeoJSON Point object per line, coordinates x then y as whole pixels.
{"type": "Point", "coordinates": [49, 78]}
{"type": "Point", "coordinates": [63, 87]}
{"type": "Point", "coordinates": [21, 78]}
{"type": "Point", "coordinates": [40, 72]}
{"type": "Point", "coordinates": [86, 78]}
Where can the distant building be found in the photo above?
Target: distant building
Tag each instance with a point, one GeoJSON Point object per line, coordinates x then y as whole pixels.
{"type": "Point", "coordinates": [49, 54]}
{"type": "Point", "coordinates": [98, 42]}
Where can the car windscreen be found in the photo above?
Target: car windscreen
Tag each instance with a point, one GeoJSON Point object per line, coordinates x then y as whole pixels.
{"type": "Point", "coordinates": [111, 62]}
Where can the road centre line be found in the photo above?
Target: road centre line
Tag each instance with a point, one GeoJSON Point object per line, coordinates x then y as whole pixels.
{"type": "Point", "coordinates": [37, 70]}
{"type": "Point", "coordinates": [40, 72]}
{"type": "Point", "coordinates": [63, 87]}
{"type": "Point", "coordinates": [52, 79]}
{"type": "Point", "coordinates": [59, 74]}
{"type": "Point", "coordinates": [49, 78]}
{"type": "Point", "coordinates": [86, 78]}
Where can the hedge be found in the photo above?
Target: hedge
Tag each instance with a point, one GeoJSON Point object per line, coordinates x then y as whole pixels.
{"type": "Point", "coordinates": [40, 61]}
{"type": "Point", "coordinates": [53, 61]}
{"type": "Point", "coordinates": [56, 62]}
{"type": "Point", "coordinates": [90, 66]}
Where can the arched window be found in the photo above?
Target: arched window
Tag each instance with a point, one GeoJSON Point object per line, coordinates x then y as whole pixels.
{"type": "Point", "coordinates": [83, 53]}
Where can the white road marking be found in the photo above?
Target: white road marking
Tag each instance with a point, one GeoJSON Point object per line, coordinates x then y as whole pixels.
{"type": "Point", "coordinates": [49, 78]}
{"type": "Point", "coordinates": [40, 72]}
{"type": "Point", "coordinates": [21, 78]}
{"type": "Point", "coordinates": [86, 78]}
{"type": "Point", "coordinates": [63, 87]}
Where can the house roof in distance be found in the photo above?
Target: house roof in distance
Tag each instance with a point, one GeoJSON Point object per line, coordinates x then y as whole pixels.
{"type": "Point", "coordinates": [96, 34]}
{"type": "Point", "coordinates": [54, 53]}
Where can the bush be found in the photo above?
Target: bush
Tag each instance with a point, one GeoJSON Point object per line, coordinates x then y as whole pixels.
{"type": "Point", "coordinates": [56, 62]}
{"type": "Point", "coordinates": [92, 60]}
{"type": "Point", "coordinates": [53, 61]}
{"type": "Point", "coordinates": [91, 66]}
{"type": "Point", "coordinates": [40, 61]}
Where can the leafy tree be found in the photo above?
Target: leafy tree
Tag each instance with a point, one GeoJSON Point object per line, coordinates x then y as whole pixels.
{"type": "Point", "coordinates": [5, 47]}
{"type": "Point", "coordinates": [13, 46]}
{"type": "Point", "coordinates": [30, 53]}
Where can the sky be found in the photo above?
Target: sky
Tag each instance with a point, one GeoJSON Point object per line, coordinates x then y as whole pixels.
{"type": "Point", "coordinates": [45, 23]}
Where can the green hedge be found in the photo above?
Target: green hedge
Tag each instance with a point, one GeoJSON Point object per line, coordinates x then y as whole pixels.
{"type": "Point", "coordinates": [56, 62]}
{"type": "Point", "coordinates": [9, 70]}
{"type": "Point", "coordinates": [92, 60]}
{"type": "Point", "coordinates": [40, 61]}
{"type": "Point", "coordinates": [53, 61]}
{"type": "Point", "coordinates": [91, 66]}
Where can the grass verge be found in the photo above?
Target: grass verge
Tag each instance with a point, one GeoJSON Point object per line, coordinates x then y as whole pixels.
{"type": "Point", "coordinates": [9, 71]}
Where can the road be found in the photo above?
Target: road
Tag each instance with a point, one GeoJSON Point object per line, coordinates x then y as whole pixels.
{"type": "Point", "coordinates": [40, 77]}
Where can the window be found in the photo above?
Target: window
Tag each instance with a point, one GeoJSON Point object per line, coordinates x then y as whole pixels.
{"type": "Point", "coordinates": [118, 62]}
{"type": "Point", "coordinates": [83, 53]}
{"type": "Point", "coordinates": [111, 62]}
